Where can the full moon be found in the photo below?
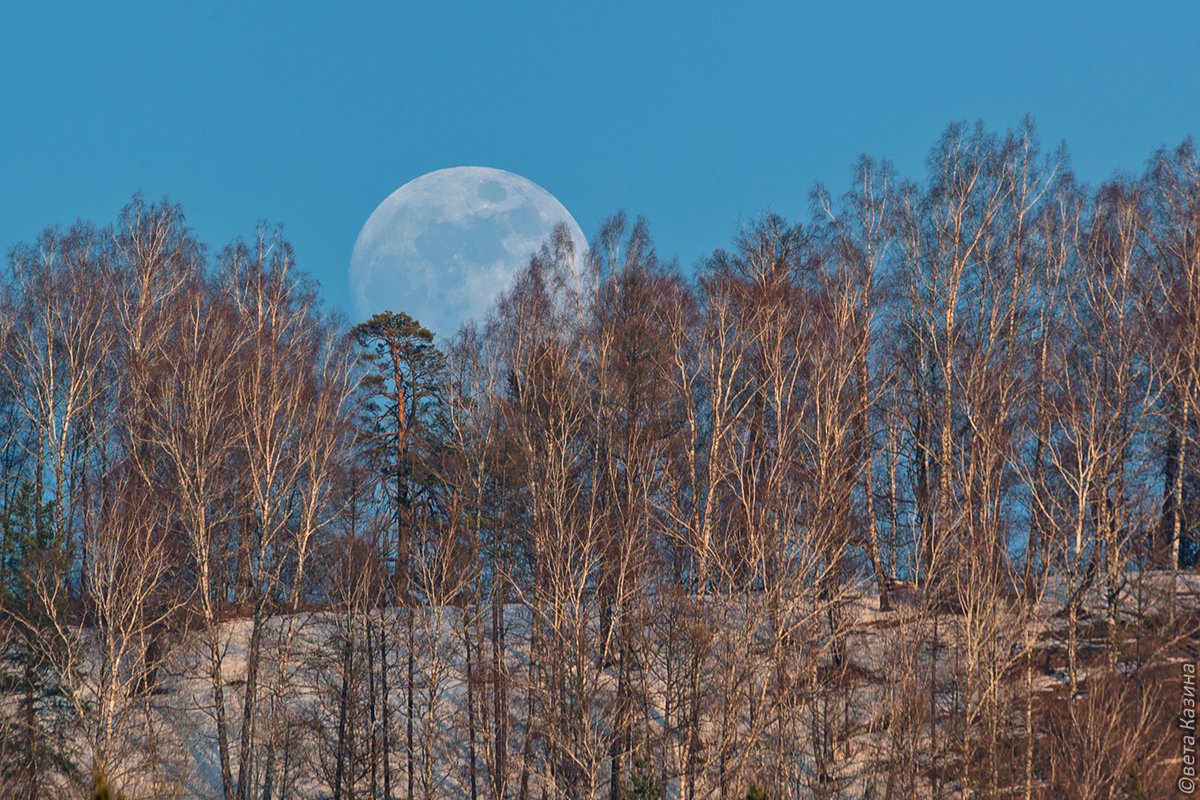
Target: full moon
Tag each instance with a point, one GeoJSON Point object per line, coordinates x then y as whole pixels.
{"type": "Point", "coordinates": [442, 247]}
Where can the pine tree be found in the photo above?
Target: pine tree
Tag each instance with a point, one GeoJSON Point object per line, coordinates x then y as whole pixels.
{"type": "Point", "coordinates": [31, 559]}
{"type": "Point", "coordinates": [756, 792]}
{"type": "Point", "coordinates": [403, 374]}
{"type": "Point", "coordinates": [101, 790]}
{"type": "Point", "coordinates": [643, 784]}
{"type": "Point", "coordinates": [1133, 788]}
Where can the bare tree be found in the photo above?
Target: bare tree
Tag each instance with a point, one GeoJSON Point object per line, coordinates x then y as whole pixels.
{"type": "Point", "coordinates": [192, 408]}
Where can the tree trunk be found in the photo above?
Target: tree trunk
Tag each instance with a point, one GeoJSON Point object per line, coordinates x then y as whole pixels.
{"type": "Point", "coordinates": [343, 709]}
{"type": "Point", "coordinates": [250, 705]}
{"type": "Point", "coordinates": [470, 676]}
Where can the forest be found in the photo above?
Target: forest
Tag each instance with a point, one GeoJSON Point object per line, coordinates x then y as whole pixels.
{"type": "Point", "coordinates": [899, 501]}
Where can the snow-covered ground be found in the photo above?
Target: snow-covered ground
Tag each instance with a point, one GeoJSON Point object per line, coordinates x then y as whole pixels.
{"type": "Point", "coordinates": [172, 745]}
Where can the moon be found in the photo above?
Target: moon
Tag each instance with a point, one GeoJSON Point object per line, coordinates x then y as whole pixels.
{"type": "Point", "coordinates": [444, 246]}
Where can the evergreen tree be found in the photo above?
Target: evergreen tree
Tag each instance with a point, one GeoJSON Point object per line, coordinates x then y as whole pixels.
{"type": "Point", "coordinates": [1133, 788]}
{"type": "Point", "coordinates": [32, 561]}
{"type": "Point", "coordinates": [643, 785]}
{"type": "Point", "coordinates": [404, 370]}
{"type": "Point", "coordinates": [756, 792]}
{"type": "Point", "coordinates": [101, 790]}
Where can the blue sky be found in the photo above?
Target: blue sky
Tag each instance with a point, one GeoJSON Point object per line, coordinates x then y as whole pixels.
{"type": "Point", "coordinates": [695, 115]}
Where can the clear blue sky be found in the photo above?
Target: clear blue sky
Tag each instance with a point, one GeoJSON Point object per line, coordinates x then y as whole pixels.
{"type": "Point", "coordinates": [695, 115]}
